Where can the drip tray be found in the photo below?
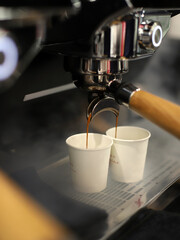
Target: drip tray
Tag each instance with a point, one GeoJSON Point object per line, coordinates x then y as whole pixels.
{"type": "Point", "coordinates": [119, 200]}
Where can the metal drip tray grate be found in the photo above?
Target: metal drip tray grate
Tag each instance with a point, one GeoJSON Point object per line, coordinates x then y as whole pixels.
{"type": "Point", "coordinates": [119, 200]}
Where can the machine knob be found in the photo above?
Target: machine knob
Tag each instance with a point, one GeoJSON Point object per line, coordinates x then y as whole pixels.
{"type": "Point", "coordinates": [150, 35]}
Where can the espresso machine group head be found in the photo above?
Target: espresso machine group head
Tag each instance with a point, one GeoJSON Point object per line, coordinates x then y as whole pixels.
{"type": "Point", "coordinates": [131, 30]}
{"type": "Point", "coordinates": [123, 38]}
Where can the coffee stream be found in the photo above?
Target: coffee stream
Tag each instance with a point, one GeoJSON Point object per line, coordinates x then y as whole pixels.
{"type": "Point", "coordinates": [87, 128]}
{"type": "Point", "coordinates": [116, 126]}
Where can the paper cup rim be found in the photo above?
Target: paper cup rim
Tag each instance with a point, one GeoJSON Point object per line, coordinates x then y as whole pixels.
{"type": "Point", "coordinates": [130, 140]}
{"type": "Point", "coordinates": [90, 149]}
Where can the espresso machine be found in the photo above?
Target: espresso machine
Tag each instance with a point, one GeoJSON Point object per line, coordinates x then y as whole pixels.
{"type": "Point", "coordinates": [94, 43]}
{"type": "Point", "coordinates": [97, 50]}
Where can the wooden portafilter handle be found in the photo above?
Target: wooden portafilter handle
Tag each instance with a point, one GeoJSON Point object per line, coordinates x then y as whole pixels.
{"type": "Point", "coordinates": [163, 113]}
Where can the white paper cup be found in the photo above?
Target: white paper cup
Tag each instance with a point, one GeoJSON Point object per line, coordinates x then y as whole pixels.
{"type": "Point", "coordinates": [89, 167]}
{"type": "Point", "coordinates": [128, 153]}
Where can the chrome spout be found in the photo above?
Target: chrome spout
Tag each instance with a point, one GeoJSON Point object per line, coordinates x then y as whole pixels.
{"type": "Point", "coordinates": [99, 104]}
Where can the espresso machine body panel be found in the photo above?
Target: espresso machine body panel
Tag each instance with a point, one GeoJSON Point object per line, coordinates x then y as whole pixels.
{"type": "Point", "coordinates": [97, 30]}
